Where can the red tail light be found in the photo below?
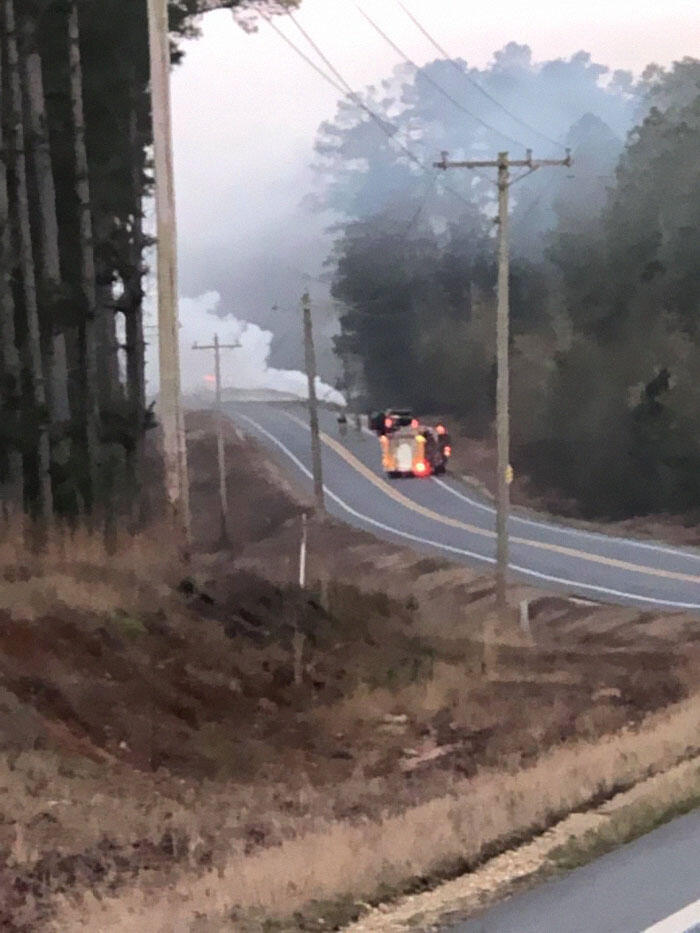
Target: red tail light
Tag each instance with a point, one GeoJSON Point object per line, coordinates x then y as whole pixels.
{"type": "Point", "coordinates": [414, 423]}
{"type": "Point", "coordinates": [441, 429]}
{"type": "Point", "coordinates": [421, 467]}
{"type": "Point", "coordinates": [388, 422]}
{"type": "Point", "coordinates": [448, 451]}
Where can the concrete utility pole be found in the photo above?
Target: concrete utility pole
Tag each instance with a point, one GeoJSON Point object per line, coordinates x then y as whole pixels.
{"type": "Point", "coordinates": [223, 497]}
{"type": "Point", "coordinates": [170, 401]}
{"type": "Point", "coordinates": [310, 355]}
{"type": "Point", "coordinates": [505, 471]}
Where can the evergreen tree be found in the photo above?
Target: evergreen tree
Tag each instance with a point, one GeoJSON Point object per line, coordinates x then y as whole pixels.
{"type": "Point", "coordinates": [75, 119]}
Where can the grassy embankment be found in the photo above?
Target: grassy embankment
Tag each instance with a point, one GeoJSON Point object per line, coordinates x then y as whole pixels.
{"type": "Point", "coordinates": [159, 756]}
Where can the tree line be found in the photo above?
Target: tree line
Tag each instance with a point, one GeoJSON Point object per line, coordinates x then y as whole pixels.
{"type": "Point", "coordinates": [605, 297]}
{"type": "Point", "coordinates": [75, 132]}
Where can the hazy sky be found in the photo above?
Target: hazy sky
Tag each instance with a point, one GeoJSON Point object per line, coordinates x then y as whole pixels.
{"type": "Point", "coordinates": [247, 109]}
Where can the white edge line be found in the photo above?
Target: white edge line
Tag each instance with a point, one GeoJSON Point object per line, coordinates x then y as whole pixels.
{"type": "Point", "coordinates": [455, 550]}
{"type": "Point", "coordinates": [576, 532]}
{"type": "Point", "coordinates": [564, 529]}
{"type": "Point", "coordinates": [686, 920]}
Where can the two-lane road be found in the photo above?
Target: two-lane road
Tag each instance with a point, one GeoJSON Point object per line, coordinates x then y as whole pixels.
{"type": "Point", "coordinates": [440, 516]}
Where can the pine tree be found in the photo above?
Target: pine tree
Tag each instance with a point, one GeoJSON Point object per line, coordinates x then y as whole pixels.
{"type": "Point", "coordinates": [47, 248]}
{"type": "Point", "coordinates": [76, 124]}
{"type": "Point", "coordinates": [87, 257]}
{"type": "Point", "coordinates": [43, 499]}
{"type": "Point", "coordinates": [12, 486]}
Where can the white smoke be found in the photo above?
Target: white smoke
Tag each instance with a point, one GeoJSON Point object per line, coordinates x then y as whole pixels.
{"type": "Point", "coordinates": [243, 368]}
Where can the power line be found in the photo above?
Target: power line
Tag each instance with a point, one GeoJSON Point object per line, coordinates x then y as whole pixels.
{"type": "Point", "coordinates": [303, 55]}
{"type": "Point", "coordinates": [306, 276]}
{"type": "Point", "coordinates": [354, 96]}
{"type": "Point", "coordinates": [531, 207]}
{"type": "Point", "coordinates": [324, 58]}
{"type": "Point", "coordinates": [423, 204]}
{"type": "Point", "coordinates": [438, 87]}
{"type": "Point", "coordinates": [346, 90]}
{"type": "Point", "coordinates": [476, 84]}
{"type": "Point", "coordinates": [524, 174]}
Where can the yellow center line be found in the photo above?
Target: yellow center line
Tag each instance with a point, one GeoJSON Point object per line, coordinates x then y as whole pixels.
{"type": "Point", "coordinates": [394, 494]}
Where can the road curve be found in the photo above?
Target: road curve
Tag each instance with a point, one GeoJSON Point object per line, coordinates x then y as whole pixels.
{"type": "Point", "coordinates": [440, 516]}
{"type": "Point", "coordinates": [651, 885]}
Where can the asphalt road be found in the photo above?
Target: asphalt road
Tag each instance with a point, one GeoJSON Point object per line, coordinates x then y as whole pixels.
{"type": "Point", "coordinates": [441, 516]}
{"type": "Point", "coordinates": [650, 885]}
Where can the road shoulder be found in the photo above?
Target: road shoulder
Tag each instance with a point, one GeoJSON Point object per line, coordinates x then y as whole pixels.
{"type": "Point", "coordinates": [575, 841]}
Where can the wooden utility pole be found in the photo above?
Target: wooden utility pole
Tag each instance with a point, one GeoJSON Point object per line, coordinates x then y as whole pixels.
{"type": "Point", "coordinates": [502, 384]}
{"type": "Point", "coordinates": [223, 497]}
{"type": "Point", "coordinates": [170, 401]}
{"type": "Point", "coordinates": [505, 472]}
{"type": "Point", "coordinates": [310, 356]}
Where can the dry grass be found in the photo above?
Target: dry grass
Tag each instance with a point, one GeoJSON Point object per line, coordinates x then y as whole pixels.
{"type": "Point", "coordinates": [577, 839]}
{"type": "Point", "coordinates": [669, 795]}
{"type": "Point", "coordinates": [149, 554]}
{"type": "Point", "coordinates": [393, 759]}
{"type": "Point", "coordinates": [160, 753]}
{"type": "Point", "coordinates": [357, 861]}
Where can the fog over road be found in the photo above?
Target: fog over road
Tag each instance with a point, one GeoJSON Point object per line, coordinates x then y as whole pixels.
{"type": "Point", "coordinates": [442, 516]}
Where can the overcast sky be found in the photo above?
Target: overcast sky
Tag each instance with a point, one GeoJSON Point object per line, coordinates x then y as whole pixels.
{"type": "Point", "coordinates": [246, 112]}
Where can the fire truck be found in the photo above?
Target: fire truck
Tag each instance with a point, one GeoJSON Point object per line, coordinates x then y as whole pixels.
{"type": "Point", "coordinates": [410, 448]}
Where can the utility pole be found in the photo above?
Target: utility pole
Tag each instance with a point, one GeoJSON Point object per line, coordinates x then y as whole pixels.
{"type": "Point", "coordinates": [170, 401]}
{"type": "Point", "coordinates": [223, 497]}
{"type": "Point", "coordinates": [505, 472]}
{"type": "Point", "coordinates": [310, 356]}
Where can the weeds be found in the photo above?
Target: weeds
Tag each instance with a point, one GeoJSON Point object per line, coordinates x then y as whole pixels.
{"type": "Point", "coordinates": [362, 862]}
{"type": "Point", "coordinates": [378, 763]}
{"type": "Point", "coordinates": [128, 625]}
{"type": "Point", "coordinates": [628, 824]}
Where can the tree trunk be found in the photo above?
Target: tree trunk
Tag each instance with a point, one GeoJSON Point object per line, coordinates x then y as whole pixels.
{"type": "Point", "coordinates": [11, 490]}
{"type": "Point", "coordinates": [44, 496]}
{"type": "Point", "coordinates": [108, 383]}
{"type": "Point", "coordinates": [133, 312]}
{"type": "Point", "coordinates": [48, 259]}
{"type": "Point", "coordinates": [88, 282]}
{"type": "Point", "coordinates": [113, 458]}
{"type": "Point", "coordinates": [108, 350]}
